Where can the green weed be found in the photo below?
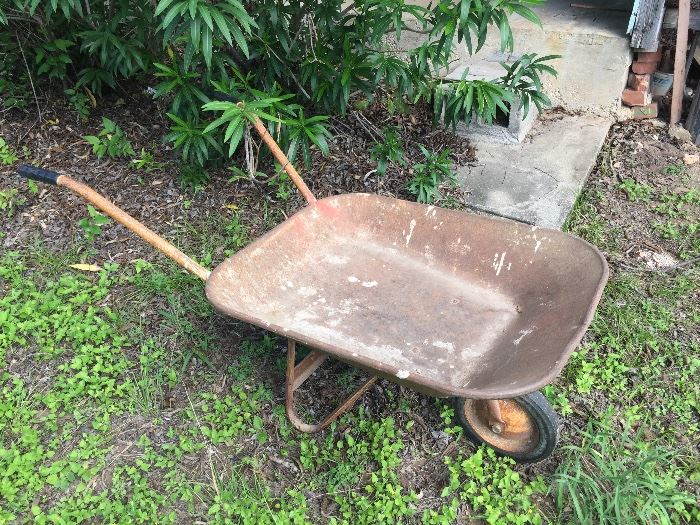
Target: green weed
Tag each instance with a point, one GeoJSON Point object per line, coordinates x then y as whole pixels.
{"type": "Point", "coordinates": [237, 235]}
{"type": "Point", "coordinates": [635, 356]}
{"type": "Point", "coordinates": [150, 378]}
{"type": "Point", "coordinates": [636, 191]}
{"type": "Point", "coordinates": [383, 499]}
{"type": "Point", "coordinates": [674, 169]}
{"type": "Point", "coordinates": [93, 223]}
{"type": "Point", "coordinates": [59, 319]}
{"type": "Point", "coordinates": [110, 141]}
{"type": "Point", "coordinates": [193, 177]}
{"type": "Point", "coordinates": [9, 200]}
{"type": "Point", "coordinates": [225, 419]}
{"type": "Point", "coordinates": [678, 204]}
{"type": "Point", "coordinates": [388, 151]}
{"type": "Point", "coordinates": [585, 221]}
{"type": "Point", "coordinates": [493, 490]}
{"type": "Point", "coordinates": [558, 400]}
{"type": "Point", "coordinates": [251, 503]}
{"type": "Point", "coordinates": [80, 101]}
{"type": "Point", "coordinates": [282, 185]}
{"type": "Point", "coordinates": [7, 156]}
{"type": "Point", "coordinates": [249, 354]}
{"type": "Point", "coordinates": [193, 343]}
{"type": "Point", "coordinates": [430, 174]}
{"type": "Point", "coordinates": [146, 162]}
{"type": "Point", "coordinates": [686, 235]}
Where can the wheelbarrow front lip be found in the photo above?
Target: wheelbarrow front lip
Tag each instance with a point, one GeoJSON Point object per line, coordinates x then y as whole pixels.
{"type": "Point", "coordinates": [387, 369]}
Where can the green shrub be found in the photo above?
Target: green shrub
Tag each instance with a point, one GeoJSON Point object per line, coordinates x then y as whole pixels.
{"type": "Point", "coordinates": [274, 55]}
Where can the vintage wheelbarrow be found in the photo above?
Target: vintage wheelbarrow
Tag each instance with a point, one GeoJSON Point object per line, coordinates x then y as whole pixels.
{"type": "Point", "coordinates": [452, 304]}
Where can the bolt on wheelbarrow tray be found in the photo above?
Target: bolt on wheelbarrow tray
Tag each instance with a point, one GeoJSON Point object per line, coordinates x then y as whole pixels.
{"type": "Point", "coordinates": [449, 303]}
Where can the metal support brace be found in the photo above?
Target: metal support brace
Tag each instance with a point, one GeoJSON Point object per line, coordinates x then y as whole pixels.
{"type": "Point", "coordinates": [495, 420]}
{"type": "Point", "coordinates": [297, 374]}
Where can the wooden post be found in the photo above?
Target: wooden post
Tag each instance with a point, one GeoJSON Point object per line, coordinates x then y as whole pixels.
{"type": "Point", "coordinates": [679, 64]}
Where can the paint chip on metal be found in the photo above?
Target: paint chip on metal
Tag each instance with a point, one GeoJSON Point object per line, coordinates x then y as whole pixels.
{"type": "Point", "coordinates": [337, 259]}
{"type": "Point", "coordinates": [410, 231]}
{"type": "Point", "coordinates": [307, 291]}
{"type": "Point", "coordinates": [523, 333]}
{"type": "Point", "coordinates": [498, 265]}
{"type": "Point", "coordinates": [444, 345]}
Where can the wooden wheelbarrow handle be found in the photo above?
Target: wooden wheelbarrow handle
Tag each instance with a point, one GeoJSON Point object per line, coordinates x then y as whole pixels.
{"type": "Point", "coordinates": [119, 215]}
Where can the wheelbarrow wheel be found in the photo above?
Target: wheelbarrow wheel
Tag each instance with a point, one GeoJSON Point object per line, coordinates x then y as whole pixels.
{"type": "Point", "coordinates": [529, 432]}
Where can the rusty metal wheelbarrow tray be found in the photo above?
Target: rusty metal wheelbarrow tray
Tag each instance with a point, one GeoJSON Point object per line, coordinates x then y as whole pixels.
{"type": "Point", "coordinates": [448, 303]}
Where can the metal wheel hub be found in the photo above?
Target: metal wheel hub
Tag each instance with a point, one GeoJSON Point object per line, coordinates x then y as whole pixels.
{"type": "Point", "coordinates": [517, 434]}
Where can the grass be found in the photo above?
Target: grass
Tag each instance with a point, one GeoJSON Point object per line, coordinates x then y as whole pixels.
{"type": "Point", "coordinates": [615, 478]}
{"type": "Point", "coordinates": [637, 368]}
{"type": "Point", "coordinates": [125, 399]}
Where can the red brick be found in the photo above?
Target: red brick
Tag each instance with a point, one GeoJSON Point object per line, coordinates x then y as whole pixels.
{"type": "Point", "coordinates": [649, 56]}
{"type": "Point", "coordinates": [639, 82]}
{"type": "Point", "coordinates": [648, 111]}
{"type": "Point", "coordinates": [643, 68]}
{"type": "Point", "coordinates": [631, 97]}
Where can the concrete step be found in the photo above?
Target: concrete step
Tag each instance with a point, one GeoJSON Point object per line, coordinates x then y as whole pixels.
{"type": "Point", "coordinates": [592, 42]}
{"type": "Point", "coordinates": [533, 169]}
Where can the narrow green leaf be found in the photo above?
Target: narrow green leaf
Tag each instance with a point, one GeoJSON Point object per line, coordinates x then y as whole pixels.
{"type": "Point", "coordinates": [206, 16]}
{"type": "Point", "coordinates": [235, 139]}
{"type": "Point", "coordinates": [240, 40]}
{"type": "Point", "coordinates": [207, 45]}
{"type": "Point", "coordinates": [162, 6]}
{"type": "Point", "coordinates": [222, 25]}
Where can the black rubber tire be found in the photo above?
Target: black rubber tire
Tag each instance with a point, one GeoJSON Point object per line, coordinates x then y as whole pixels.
{"type": "Point", "coordinates": [540, 413]}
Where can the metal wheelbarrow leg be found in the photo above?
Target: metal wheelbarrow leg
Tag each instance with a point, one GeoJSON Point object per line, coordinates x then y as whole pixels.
{"type": "Point", "coordinates": [298, 374]}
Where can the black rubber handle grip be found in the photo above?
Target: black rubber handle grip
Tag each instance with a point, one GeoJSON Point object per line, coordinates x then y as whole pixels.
{"type": "Point", "coordinates": [38, 174]}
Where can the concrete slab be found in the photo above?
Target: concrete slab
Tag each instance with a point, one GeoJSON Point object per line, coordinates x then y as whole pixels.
{"type": "Point", "coordinates": [536, 181]}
